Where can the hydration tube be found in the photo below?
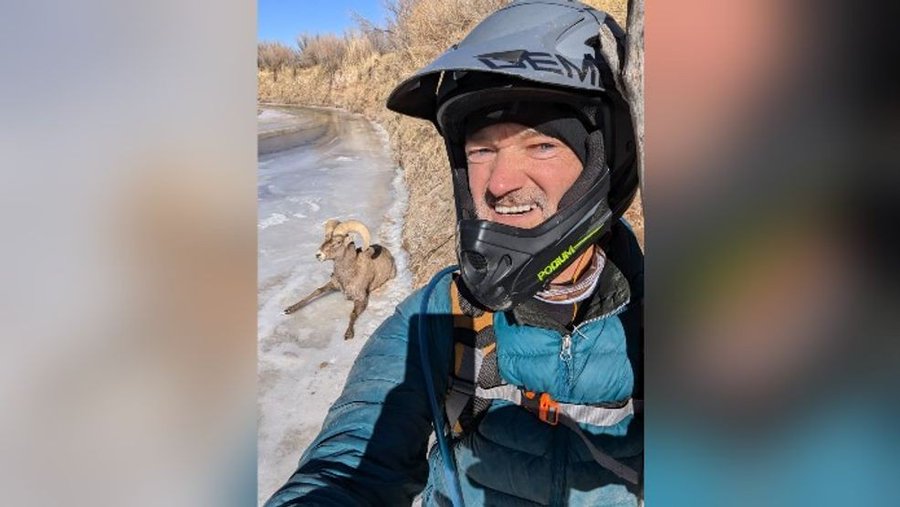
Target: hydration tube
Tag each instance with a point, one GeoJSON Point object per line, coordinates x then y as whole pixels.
{"type": "Point", "coordinates": [451, 479]}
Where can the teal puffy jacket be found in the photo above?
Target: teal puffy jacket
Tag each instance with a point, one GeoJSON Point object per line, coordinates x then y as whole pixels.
{"type": "Point", "coordinates": [373, 444]}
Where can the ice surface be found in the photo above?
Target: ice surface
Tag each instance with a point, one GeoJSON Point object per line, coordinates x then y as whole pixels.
{"type": "Point", "coordinates": [273, 219]}
{"type": "Point", "coordinates": [270, 120]}
{"type": "Point", "coordinates": [314, 164]}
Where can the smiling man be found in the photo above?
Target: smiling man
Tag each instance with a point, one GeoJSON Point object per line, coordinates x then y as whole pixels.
{"type": "Point", "coordinates": [518, 174]}
{"type": "Point", "coordinates": [520, 167]}
{"type": "Point", "coordinates": [525, 362]}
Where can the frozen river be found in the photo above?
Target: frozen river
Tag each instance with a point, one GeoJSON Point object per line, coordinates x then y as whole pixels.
{"type": "Point", "coordinates": [314, 164]}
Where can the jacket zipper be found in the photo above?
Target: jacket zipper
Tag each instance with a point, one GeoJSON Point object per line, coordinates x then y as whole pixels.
{"type": "Point", "coordinates": [565, 351]}
{"type": "Point", "coordinates": [565, 354]}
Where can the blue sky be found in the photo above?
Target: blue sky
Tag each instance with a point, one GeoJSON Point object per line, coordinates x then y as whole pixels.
{"type": "Point", "coordinates": [283, 20]}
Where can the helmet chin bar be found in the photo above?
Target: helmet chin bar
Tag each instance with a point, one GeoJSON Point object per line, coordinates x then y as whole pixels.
{"type": "Point", "coordinates": [502, 266]}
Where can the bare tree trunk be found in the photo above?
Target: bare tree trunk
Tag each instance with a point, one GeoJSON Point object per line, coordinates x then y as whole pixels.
{"type": "Point", "coordinates": [629, 73]}
{"type": "Point", "coordinates": [633, 75]}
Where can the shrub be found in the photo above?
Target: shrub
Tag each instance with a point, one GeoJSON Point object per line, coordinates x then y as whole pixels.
{"type": "Point", "coordinates": [326, 50]}
{"type": "Point", "coordinates": [380, 39]}
{"type": "Point", "coordinates": [273, 56]}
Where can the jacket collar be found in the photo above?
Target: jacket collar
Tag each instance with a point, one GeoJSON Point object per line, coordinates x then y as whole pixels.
{"type": "Point", "coordinates": [610, 297]}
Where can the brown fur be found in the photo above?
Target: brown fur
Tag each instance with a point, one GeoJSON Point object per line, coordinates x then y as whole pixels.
{"type": "Point", "coordinates": [356, 273]}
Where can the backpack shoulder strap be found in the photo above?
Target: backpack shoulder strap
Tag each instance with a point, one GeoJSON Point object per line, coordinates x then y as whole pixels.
{"type": "Point", "coordinates": [473, 347]}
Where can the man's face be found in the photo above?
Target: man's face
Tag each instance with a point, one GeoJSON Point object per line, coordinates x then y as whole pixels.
{"type": "Point", "coordinates": [517, 175]}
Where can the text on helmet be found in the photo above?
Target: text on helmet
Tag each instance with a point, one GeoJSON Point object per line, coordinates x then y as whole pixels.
{"type": "Point", "coordinates": [543, 62]}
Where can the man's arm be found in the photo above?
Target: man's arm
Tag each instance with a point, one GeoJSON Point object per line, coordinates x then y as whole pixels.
{"type": "Point", "coordinates": [372, 447]}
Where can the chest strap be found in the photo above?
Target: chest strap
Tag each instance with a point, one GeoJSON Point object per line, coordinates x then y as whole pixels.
{"type": "Point", "coordinates": [550, 411]}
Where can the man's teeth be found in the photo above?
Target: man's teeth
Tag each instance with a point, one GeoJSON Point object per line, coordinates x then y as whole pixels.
{"type": "Point", "coordinates": [509, 210]}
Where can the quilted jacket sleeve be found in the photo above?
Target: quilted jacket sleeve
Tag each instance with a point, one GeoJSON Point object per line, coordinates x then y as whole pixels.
{"type": "Point", "coordinates": [372, 447]}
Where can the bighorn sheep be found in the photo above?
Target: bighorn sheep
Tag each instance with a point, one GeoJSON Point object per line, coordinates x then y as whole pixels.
{"type": "Point", "coordinates": [357, 271]}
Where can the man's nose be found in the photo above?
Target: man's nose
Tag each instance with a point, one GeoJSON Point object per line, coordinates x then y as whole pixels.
{"type": "Point", "coordinates": [507, 174]}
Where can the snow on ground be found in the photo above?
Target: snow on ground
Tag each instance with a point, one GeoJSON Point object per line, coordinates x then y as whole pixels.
{"type": "Point", "coordinates": [314, 164]}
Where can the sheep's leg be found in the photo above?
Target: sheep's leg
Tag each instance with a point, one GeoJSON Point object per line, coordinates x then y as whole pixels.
{"type": "Point", "coordinates": [358, 308]}
{"type": "Point", "coordinates": [328, 287]}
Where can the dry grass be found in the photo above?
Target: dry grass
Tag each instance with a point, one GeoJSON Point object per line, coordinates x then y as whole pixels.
{"type": "Point", "coordinates": [425, 28]}
{"type": "Point", "coordinates": [358, 72]}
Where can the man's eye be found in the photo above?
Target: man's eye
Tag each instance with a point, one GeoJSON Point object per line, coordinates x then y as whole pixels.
{"type": "Point", "coordinates": [477, 155]}
{"type": "Point", "coordinates": [544, 150]}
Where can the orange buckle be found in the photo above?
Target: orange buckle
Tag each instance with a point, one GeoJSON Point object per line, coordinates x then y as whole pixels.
{"type": "Point", "coordinates": [544, 406]}
{"type": "Point", "coordinates": [548, 410]}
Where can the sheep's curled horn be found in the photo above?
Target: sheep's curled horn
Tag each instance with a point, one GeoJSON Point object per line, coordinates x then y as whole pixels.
{"type": "Point", "coordinates": [330, 225]}
{"type": "Point", "coordinates": [333, 227]}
